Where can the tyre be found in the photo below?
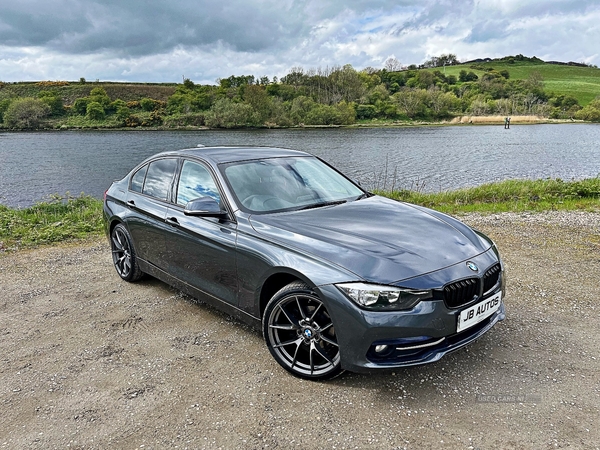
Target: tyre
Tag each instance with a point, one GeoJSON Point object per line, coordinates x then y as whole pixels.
{"type": "Point", "coordinates": [123, 254]}
{"type": "Point", "coordinates": [300, 335]}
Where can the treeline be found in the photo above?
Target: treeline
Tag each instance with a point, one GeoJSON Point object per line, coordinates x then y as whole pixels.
{"type": "Point", "coordinates": [331, 96]}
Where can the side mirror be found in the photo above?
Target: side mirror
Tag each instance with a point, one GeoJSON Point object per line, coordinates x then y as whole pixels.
{"type": "Point", "coordinates": [204, 207]}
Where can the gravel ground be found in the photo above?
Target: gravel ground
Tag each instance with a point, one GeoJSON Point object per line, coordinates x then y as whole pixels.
{"type": "Point", "coordinates": [89, 361]}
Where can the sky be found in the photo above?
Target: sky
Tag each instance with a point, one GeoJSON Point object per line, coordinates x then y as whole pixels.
{"type": "Point", "coordinates": [204, 40]}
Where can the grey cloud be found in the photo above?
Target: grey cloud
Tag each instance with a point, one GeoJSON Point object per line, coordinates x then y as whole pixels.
{"type": "Point", "coordinates": [139, 27]}
{"type": "Point", "coordinates": [158, 40]}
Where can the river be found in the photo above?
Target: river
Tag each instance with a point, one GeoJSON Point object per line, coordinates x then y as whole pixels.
{"type": "Point", "coordinates": [34, 165]}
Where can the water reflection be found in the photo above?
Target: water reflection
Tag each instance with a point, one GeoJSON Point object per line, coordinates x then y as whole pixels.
{"type": "Point", "coordinates": [35, 165]}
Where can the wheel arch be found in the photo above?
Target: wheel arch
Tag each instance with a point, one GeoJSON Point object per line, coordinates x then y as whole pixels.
{"type": "Point", "coordinates": [113, 222]}
{"type": "Point", "coordinates": [274, 283]}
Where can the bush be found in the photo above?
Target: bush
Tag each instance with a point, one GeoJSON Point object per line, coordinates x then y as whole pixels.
{"type": "Point", "coordinates": [323, 115]}
{"type": "Point", "coordinates": [99, 95]}
{"type": "Point", "coordinates": [192, 119]}
{"type": "Point", "coordinates": [80, 106]}
{"type": "Point", "coordinates": [228, 114]}
{"type": "Point", "coordinates": [54, 101]}
{"type": "Point", "coordinates": [3, 107]}
{"type": "Point", "coordinates": [95, 111]}
{"type": "Point", "coordinates": [133, 121]}
{"type": "Point", "coordinates": [591, 112]}
{"type": "Point", "coordinates": [123, 112]}
{"type": "Point", "coordinates": [464, 76]}
{"type": "Point", "coordinates": [25, 113]}
{"type": "Point", "coordinates": [148, 104]}
{"type": "Point", "coordinates": [366, 111]}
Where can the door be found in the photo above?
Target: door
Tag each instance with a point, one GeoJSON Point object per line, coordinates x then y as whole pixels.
{"type": "Point", "coordinates": [148, 197]}
{"type": "Point", "coordinates": [201, 251]}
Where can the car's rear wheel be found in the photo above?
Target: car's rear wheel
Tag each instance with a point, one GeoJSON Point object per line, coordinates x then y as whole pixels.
{"type": "Point", "coordinates": [123, 254]}
{"type": "Point", "coordinates": [300, 334]}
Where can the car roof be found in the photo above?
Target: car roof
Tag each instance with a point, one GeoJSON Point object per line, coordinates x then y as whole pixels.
{"type": "Point", "coordinates": [224, 154]}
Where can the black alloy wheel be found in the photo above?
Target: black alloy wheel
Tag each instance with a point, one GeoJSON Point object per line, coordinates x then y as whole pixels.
{"type": "Point", "coordinates": [300, 334]}
{"type": "Point", "coordinates": [123, 254]}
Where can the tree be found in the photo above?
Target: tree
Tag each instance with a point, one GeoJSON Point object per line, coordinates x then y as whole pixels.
{"type": "Point", "coordinates": [257, 97]}
{"type": "Point", "coordinates": [423, 79]}
{"type": "Point", "coordinates": [464, 76]}
{"type": "Point", "coordinates": [392, 64]}
{"type": "Point", "coordinates": [295, 78]}
{"type": "Point", "coordinates": [479, 106]}
{"type": "Point", "coordinates": [300, 107]}
{"type": "Point", "coordinates": [442, 60]}
{"type": "Point", "coordinates": [411, 102]}
{"type": "Point", "coordinates": [441, 102]}
{"type": "Point", "coordinates": [535, 83]}
{"type": "Point", "coordinates": [25, 113]}
{"type": "Point", "coordinates": [345, 84]}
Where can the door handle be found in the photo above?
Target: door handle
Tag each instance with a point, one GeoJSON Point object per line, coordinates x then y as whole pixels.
{"type": "Point", "coordinates": [172, 221]}
{"type": "Point", "coordinates": [131, 202]}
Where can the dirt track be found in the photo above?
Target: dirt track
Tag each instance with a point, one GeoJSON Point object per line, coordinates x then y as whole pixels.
{"type": "Point", "coordinates": [89, 361]}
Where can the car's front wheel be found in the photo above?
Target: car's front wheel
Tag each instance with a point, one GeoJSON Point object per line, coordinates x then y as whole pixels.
{"type": "Point", "coordinates": [123, 254]}
{"type": "Point", "coordinates": [300, 334]}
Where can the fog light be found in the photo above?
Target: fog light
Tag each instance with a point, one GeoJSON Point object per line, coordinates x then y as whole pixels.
{"type": "Point", "coordinates": [381, 348]}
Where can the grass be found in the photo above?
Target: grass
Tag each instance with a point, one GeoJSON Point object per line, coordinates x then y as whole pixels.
{"type": "Point", "coordinates": [56, 220]}
{"type": "Point", "coordinates": [64, 218]}
{"type": "Point", "coordinates": [510, 195]}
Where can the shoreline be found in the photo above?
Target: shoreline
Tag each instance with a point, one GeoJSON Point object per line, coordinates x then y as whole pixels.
{"type": "Point", "coordinates": [456, 121]}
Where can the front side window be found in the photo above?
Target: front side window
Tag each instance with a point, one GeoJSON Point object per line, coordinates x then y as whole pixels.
{"type": "Point", "coordinates": [159, 178]}
{"type": "Point", "coordinates": [196, 181]}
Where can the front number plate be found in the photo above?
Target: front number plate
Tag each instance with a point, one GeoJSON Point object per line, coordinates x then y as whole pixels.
{"type": "Point", "coordinates": [478, 312]}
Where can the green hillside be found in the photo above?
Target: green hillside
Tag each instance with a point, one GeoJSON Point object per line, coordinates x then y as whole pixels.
{"type": "Point", "coordinates": [71, 91]}
{"type": "Point", "coordinates": [441, 90]}
{"type": "Point", "coordinates": [583, 83]}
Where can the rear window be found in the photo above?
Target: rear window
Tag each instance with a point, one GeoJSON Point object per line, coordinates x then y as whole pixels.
{"type": "Point", "coordinates": [137, 180]}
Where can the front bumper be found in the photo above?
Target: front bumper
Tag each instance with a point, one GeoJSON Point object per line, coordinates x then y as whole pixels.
{"type": "Point", "coordinates": [383, 340]}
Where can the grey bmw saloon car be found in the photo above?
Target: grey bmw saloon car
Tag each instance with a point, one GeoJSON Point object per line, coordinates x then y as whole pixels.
{"type": "Point", "coordinates": [337, 278]}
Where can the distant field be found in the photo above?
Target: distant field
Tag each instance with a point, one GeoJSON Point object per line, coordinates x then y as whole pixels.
{"type": "Point", "coordinates": [74, 90]}
{"type": "Point", "coordinates": [583, 83]}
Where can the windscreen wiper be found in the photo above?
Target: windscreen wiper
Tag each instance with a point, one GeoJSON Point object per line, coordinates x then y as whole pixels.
{"type": "Point", "coordinates": [319, 205]}
{"type": "Point", "coordinates": [365, 195]}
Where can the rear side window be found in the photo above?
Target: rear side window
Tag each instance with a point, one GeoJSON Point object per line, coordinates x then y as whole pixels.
{"type": "Point", "coordinates": [159, 178]}
{"type": "Point", "coordinates": [137, 180]}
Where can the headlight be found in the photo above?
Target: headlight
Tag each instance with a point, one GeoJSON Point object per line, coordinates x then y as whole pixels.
{"type": "Point", "coordinates": [372, 296]}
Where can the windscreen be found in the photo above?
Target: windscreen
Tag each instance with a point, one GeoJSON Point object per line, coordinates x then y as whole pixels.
{"type": "Point", "coordinates": [276, 184]}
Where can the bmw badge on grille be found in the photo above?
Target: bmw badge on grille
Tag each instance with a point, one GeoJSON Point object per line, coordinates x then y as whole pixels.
{"type": "Point", "coordinates": [471, 265]}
